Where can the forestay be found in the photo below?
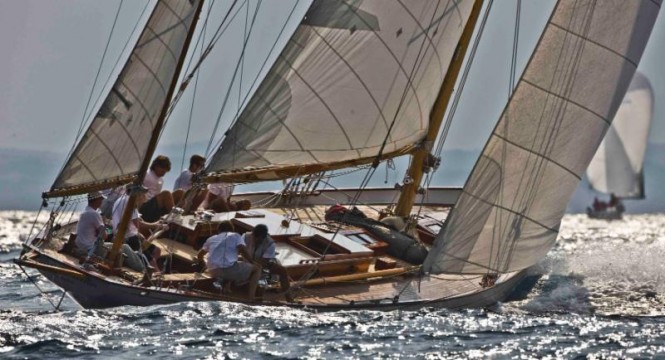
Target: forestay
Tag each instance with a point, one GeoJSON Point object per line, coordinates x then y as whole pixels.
{"type": "Point", "coordinates": [617, 166]}
{"type": "Point", "coordinates": [509, 213]}
{"type": "Point", "coordinates": [115, 144]}
{"type": "Point", "coordinates": [349, 71]}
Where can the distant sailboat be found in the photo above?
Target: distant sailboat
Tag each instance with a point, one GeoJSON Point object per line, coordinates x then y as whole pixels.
{"type": "Point", "coordinates": [357, 83]}
{"type": "Point", "coordinates": [617, 167]}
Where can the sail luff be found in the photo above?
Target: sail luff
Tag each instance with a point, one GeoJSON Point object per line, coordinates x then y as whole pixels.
{"type": "Point", "coordinates": [350, 73]}
{"type": "Point", "coordinates": [113, 147]}
{"type": "Point", "coordinates": [509, 213]}
{"type": "Point", "coordinates": [415, 172]}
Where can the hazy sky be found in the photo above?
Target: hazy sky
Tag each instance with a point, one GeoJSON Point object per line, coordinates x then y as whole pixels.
{"type": "Point", "coordinates": [52, 49]}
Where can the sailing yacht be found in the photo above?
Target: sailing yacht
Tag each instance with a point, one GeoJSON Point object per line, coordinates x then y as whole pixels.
{"type": "Point", "coordinates": [358, 83]}
{"type": "Point", "coordinates": [617, 169]}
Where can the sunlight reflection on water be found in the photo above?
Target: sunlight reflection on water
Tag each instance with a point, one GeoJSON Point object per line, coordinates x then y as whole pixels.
{"type": "Point", "coordinates": [599, 282]}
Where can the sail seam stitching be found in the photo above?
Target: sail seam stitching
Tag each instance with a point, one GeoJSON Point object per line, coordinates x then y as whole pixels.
{"type": "Point", "coordinates": [110, 151]}
{"type": "Point", "coordinates": [567, 100]}
{"type": "Point", "coordinates": [538, 154]}
{"type": "Point", "coordinates": [623, 56]}
{"type": "Point", "coordinates": [357, 76]}
{"type": "Point", "coordinates": [318, 96]}
{"type": "Point", "coordinates": [510, 211]}
{"type": "Point", "coordinates": [152, 72]}
{"type": "Point", "coordinates": [159, 38]}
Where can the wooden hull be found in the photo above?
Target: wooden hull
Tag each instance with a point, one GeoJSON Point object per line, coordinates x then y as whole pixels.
{"type": "Point", "coordinates": [91, 290]}
{"type": "Point", "coordinates": [343, 280]}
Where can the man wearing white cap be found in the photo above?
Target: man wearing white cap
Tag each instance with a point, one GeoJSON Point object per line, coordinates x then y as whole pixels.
{"type": "Point", "coordinates": [90, 226]}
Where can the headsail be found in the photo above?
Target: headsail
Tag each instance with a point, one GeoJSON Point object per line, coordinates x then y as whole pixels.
{"type": "Point", "coordinates": [352, 72]}
{"type": "Point", "coordinates": [509, 213]}
{"type": "Point", "coordinates": [115, 144]}
{"type": "Point", "coordinates": [617, 166]}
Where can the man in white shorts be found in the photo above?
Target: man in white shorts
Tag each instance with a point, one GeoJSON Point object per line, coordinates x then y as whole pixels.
{"type": "Point", "coordinates": [222, 260]}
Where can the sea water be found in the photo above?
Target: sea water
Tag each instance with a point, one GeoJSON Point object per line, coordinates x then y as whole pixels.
{"type": "Point", "coordinates": [601, 295]}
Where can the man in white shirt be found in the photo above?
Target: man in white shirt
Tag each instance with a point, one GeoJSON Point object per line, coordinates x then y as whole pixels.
{"type": "Point", "coordinates": [222, 260]}
{"type": "Point", "coordinates": [91, 233]}
{"type": "Point", "coordinates": [157, 202]}
{"type": "Point", "coordinates": [184, 181]}
{"type": "Point", "coordinates": [90, 226]}
{"type": "Point", "coordinates": [262, 251]}
{"type": "Point", "coordinates": [188, 198]}
{"type": "Point", "coordinates": [133, 236]}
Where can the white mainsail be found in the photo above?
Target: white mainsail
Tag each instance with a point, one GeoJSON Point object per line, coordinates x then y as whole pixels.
{"type": "Point", "coordinates": [617, 166]}
{"type": "Point", "coordinates": [509, 213]}
{"type": "Point", "coordinates": [352, 73]}
{"type": "Point", "coordinates": [114, 146]}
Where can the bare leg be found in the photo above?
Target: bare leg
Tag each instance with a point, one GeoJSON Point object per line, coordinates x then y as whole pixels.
{"type": "Point", "coordinates": [165, 200]}
{"type": "Point", "coordinates": [219, 205]}
{"type": "Point", "coordinates": [198, 199]}
{"type": "Point", "coordinates": [178, 198]}
{"type": "Point", "coordinates": [253, 281]}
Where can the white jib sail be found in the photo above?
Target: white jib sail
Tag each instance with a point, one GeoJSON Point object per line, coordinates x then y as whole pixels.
{"type": "Point", "coordinates": [509, 214]}
{"type": "Point", "coordinates": [617, 166]}
{"type": "Point", "coordinates": [115, 144]}
{"type": "Point", "coordinates": [349, 71]}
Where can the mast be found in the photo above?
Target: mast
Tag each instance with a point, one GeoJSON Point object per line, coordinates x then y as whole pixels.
{"type": "Point", "coordinates": [415, 171]}
{"type": "Point", "coordinates": [131, 202]}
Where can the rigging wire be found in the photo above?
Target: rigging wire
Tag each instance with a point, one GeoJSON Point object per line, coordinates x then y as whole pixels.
{"type": "Point", "coordinates": [458, 95]}
{"type": "Point", "coordinates": [256, 78]}
{"type": "Point", "coordinates": [196, 84]}
{"type": "Point", "coordinates": [235, 74]}
{"type": "Point", "coordinates": [465, 75]}
{"type": "Point", "coordinates": [218, 33]}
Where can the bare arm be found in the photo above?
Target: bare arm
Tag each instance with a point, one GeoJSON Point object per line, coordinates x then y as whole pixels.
{"type": "Point", "coordinates": [202, 253]}
{"type": "Point", "coordinates": [242, 249]}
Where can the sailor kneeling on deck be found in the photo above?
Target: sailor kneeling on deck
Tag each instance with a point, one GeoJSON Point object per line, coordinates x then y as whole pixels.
{"type": "Point", "coordinates": [222, 260]}
{"type": "Point", "coordinates": [262, 251]}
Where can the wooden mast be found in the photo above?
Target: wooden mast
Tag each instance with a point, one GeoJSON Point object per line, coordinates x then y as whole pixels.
{"type": "Point", "coordinates": [119, 237]}
{"type": "Point", "coordinates": [415, 172]}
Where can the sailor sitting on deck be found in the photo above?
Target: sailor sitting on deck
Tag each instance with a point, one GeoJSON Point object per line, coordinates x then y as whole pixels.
{"type": "Point", "coordinates": [133, 237]}
{"type": "Point", "coordinates": [90, 227]}
{"type": "Point", "coordinates": [192, 197]}
{"type": "Point", "coordinates": [91, 233]}
{"type": "Point", "coordinates": [262, 250]}
{"type": "Point", "coordinates": [158, 202]}
{"type": "Point", "coordinates": [222, 260]}
{"type": "Point", "coordinates": [219, 199]}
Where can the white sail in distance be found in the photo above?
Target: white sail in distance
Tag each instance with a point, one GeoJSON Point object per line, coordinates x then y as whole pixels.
{"type": "Point", "coordinates": [353, 75]}
{"type": "Point", "coordinates": [617, 167]}
{"type": "Point", "coordinates": [113, 147]}
{"type": "Point", "coordinates": [509, 213]}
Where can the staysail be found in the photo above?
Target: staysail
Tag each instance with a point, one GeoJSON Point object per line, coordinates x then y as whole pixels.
{"type": "Point", "coordinates": [352, 73]}
{"type": "Point", "coordinates": [509, 213]}
{"type": "Point", "coordinates": [617, 166]}
{"type": "Point", "coordinates": [114, 146]}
